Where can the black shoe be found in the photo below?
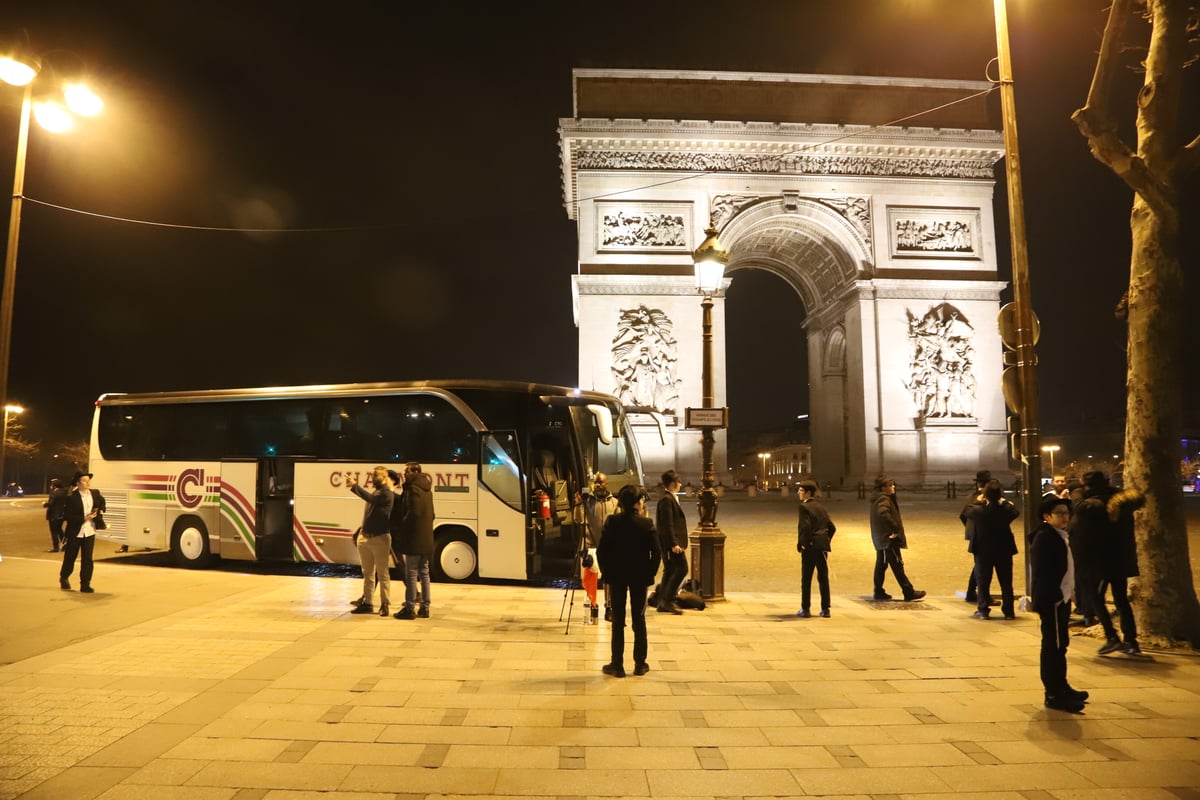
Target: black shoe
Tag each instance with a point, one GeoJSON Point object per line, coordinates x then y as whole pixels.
{"type": "Point", "coordinates": [423, 612]}
{"type": "Point", "coordinates": [52, 550]}
{"type": "Point", "coordinates": [825, 613]}
{"type": "Point", "coordinates": [383, 610]}
{"type": "Point", "coordinates": [915, 594]}
{"type": "Point", "coordinates": [1131, 649]}
{"type": "Point", "coordinates": [1010, 616]}
{"type": "Point", "coordinates": [1075, 693]}
{"type": "Point", "coordinates": [616, 670]}
{"type": "Point", "coordinates": [405, 613]}
{"type": "Point", "coordinates": [358, 601]}
{"type": "Point", "coordinates": [608, 614]}
{"type": "Point", "coordinates": [972, 598]}
{"type": "Point", "coordinates": [1111, 646]}
{"type": "Point", "coordinates": [804, 613]}
{"type": "Point", "coordinates": [87, 589]}
{"type": "Point", "coordinates": [63, 583]}
{"type": "Point", "coordinates": [880, 594]}
{"type": "Point", "coordinates": [982, 615]}
{"type": "Point", "coordinates": [363, 608]}
{"type": "Point", "coordinates": [669, 608]}
{"type": "Point", "coordinates": [641, 669]}
{"type": "Point", "coordinates": [123, 548]}
{"type": "Point", "coordinates": [1064, 703]}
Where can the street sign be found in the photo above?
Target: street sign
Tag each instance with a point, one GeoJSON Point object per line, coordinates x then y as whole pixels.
{"type": "Point", "coordinates": [706, 418]}
{"type": "Point", "coordinates": [1007, 322]}
{"type": "Point", "coordinates": [1010, 386]}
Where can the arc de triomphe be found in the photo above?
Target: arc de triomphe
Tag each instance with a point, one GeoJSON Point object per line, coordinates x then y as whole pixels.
{"type": "Point", "coordinates": [881, 222]}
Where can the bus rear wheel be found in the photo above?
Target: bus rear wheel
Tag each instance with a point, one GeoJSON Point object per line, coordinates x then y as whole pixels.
{"type": "Point", "coordinates": [189, 543]}
{"type": "Point", "coordinates": [455, 558]}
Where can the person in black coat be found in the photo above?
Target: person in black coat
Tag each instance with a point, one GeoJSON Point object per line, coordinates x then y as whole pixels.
{"type": "Point", "coordinates": [887, 534]}
{"type": "Point", "coordinates": [814, 533]}
{"type": "Point", "coordinates": [993, 545]}
{"type": "Point", "coordinates": [673, 536]}
{"type": "Point", "coordinates": [981, 480]}
{"type": "Point", "coordinates": [1052, 584]}
{"type": "Point", "coordinates": [415, 540]}
{"type": "Point", "coordinates": [56, 509]}
{"type": "Point", "coordinates": [83, 510]}
{"type": "Point", "coordinates": [629, 554]}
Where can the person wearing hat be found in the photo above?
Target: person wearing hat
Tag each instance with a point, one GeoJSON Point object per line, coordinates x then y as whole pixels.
{"type": "Point", "coordinates": [629, 553]}
{"type": "Point", "coordinates": [55, 507]}
{"type": "Point", "coordinates": [981, 480]}
{"type": "Point", "coordinates": [83, 510]}
{"type": "Point", "coordinates": [887, 534]}
{"type": "Point", "coordinates": [814, 533]}
{"type": "Point", "coordinates": [1051, 587]}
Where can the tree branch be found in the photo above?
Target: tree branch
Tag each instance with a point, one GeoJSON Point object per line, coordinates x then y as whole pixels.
{"type": "Point", "coordinates": [1189, 158]}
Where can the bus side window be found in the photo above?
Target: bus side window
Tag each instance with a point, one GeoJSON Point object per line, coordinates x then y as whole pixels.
{"type": "Point", "coordinates": [498, 467]}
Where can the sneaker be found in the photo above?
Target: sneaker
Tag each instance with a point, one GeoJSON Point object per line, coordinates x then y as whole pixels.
{"type": "Point", "coordinates": [405, 613]}
{"type": "Point", "coordinates": [804, 613]}
{"type": "Point", "coordinates": [1131, 649]}
{"type": "Point", "coordinates": [616, 670]}
{"type": "Point", "coordinates": [358, 601]}
{"type": "Point", "coordinates": [982, 615]}
{"type": "Point", "coordinates": [423, 612]}
{"type": "Point", "coordinates": [363, 608]}
{"type": "Point", "coordinates": [641, 669]}
{"type": "Point", "coordinates": [1064, 702]}
{"type": "Point", "coordinates": [1111, 646]}
{"type": "Point", "coordinates": [915, 594]}
{"type": "Point", "coordinates": [880, 594]}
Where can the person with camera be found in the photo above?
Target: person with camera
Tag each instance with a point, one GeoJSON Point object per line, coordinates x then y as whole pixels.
{"type": "Point", "coordinates": [375, 541]}
{"type": "Point", "coordinates": [993, 545]}
{"type": "Point", "coordinates": [814, 534]}
{"type": "Point", "coordinates": [83, 511]}
{"type": "Point", "coordinates": [629, 554]}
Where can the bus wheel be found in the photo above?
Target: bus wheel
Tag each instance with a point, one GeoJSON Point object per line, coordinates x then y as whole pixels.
{"type": "Point", "coordinates": [189, 543]}
{"type": "Point", "coordinates": [454, 557]}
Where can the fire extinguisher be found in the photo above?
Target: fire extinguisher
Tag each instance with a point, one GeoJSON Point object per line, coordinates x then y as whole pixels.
{"type": "Point", "coordinates": [542, 504]}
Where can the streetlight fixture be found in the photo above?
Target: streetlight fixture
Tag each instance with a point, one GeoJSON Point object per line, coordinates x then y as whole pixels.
{"type": "Point", "coordinates": [1051, 449]}
{"type": "Point", "coordinates": [707, 542]}
{"type": "Point", "coordinates": [9, 411]}
{"type": "Point", "coordinates": [22, 70]}
{"type": "Point", "coordinates": [764, 457]}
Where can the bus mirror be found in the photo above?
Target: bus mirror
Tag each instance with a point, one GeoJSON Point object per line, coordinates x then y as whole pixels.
{"type": "Point", "coordinates": [660, 420]}
{"type": "Point", "coordinates": [604, 421]}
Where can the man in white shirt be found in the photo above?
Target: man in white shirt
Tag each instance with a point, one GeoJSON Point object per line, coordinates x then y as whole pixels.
{"type": "Point", "coordinates": [84, 510]}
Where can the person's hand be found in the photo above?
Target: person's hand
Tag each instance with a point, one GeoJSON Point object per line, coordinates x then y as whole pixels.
{"type": "Point", "coordinates": [891, 536]}
{"type": "Point", "coordinates": [351, 480]}
{"type": "Point", "coordinates": [676, 549]}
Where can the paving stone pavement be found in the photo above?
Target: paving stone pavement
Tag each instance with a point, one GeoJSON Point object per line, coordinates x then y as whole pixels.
{"type": "Point", "coordinates": [277, 692]}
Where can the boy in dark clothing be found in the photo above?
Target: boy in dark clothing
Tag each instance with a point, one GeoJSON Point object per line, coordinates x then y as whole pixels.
{"type": "Point", "coordinates": [1052, 584]}
{"type": "Point", "coordinates": [814, 533]}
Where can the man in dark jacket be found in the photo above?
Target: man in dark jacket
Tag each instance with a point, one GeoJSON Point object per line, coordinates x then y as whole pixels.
{"type": "Point", "coordinates": [1106, 555]}
{"type": "Point", "coordinates": [374, 541]}
{"type": "Point", "coordinates": [993, 545]}
{"type": "Point", "coordinates": [814, 533]}
{"type": "Point", "coordinates": [887, 534]}
{"type": "Point", "coordinates": [416, 540]}
{"type": "Point", "coordinates": [629, 555]}
{"type": "Point", "coordinates": [1052, 583]}
{"type": "Point", "coordinates": [981, 480]}
{"type": "Point", "coordinates": [83, 510]}
{"type": "Point", "coordinates": [673, 535]}
{"type": "Point", "coordinates": [56, 509]}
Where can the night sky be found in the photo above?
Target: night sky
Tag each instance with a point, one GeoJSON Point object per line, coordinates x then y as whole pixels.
{"type": "Point", "coordinates": [415, 145]}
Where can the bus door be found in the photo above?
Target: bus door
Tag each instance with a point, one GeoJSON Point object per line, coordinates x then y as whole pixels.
{"type": "Point", "coordinates": [505, 547]}
{"type": "Point", "coordinates": [276, 496]}
{"type": "Point", "coordinates": [238, 519]}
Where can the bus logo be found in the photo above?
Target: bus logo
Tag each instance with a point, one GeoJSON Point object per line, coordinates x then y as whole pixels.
{"type": "Point", "coordinates": [189, 487]}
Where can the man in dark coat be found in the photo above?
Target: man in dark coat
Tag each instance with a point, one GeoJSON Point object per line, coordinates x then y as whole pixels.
{"type": "Point", "coordinates": [56, 509]}
{"type": "Point", "coordinates": [1106, 555]}
{"type": "Point", "coordinates": [416, 539]}
{"type": "Point", "coordinates": [374, 541]}
{"type": "Point", "coordinates": [981, 480]}
{"type": "Point", "coordinates": [993, 545]}
{"type": "Point", "coordinates": [629, 554]}
{"type": "Point", "coordinates": [814, 532]}
{"type": "Point", "coordinates": [83, 509]}
{"type": "Point", "coordinates": [1052, 583]}
{"type": "Point", "coordinates": [673, 533]}
{"type": "Point", "coordinates": [887, 534]}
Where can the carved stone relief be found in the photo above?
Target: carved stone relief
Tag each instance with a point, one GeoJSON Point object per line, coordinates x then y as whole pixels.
{"type": "Point", "coordinates": [795, 163]}
{"type": "Point", "coordinates": [856, 210]}
{"type": "Point", "coordinates": [941, 377]}
{"type": "Point", "coordinates": [645, 360]}
{"type": "Point", "coordinates": [637, 229]}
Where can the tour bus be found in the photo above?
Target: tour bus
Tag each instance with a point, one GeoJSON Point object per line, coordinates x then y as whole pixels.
{"type": "Point", "coordinates": [260, 474]}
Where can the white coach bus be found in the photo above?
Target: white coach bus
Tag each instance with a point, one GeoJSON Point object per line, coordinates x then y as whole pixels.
{"type": "Point", "coordinates": [259, 474]}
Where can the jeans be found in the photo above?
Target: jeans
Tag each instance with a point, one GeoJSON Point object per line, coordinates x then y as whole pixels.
{"type": "Point", "coordinates": [1120, 593]}
{"type": "Point", "coordinates": [636, 596]}
{"type": "Point", "coordinates": [416, 567]}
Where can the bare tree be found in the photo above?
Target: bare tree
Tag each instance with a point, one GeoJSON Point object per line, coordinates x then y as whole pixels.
{"type": "Point", "coordinates": [1157, 171]}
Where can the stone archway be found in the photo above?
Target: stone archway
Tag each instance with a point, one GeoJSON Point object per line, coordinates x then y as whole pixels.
{"type": "Point", "coordinates": [885, 234]}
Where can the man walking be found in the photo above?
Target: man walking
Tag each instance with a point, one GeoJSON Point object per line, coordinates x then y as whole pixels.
{"type": "Point", "coordinates": [814, 533]}
{"type": "Point", "coordinates": [673, 532]}
{"type": "Point", "coordinates": [887, 534]}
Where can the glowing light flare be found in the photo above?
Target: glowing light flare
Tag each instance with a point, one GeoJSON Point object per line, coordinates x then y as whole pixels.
{"type": "Point", "coordinates": [82, 100]}
{"type": "Point", "coordinates": [53, 116]}
{"type": "Point", "coordinates": [16, 73]}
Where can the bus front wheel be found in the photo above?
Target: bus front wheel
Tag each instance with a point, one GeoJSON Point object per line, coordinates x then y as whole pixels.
{"type": "Point", "coordinates": [455, 558]}
{"type": "Point", "coordinates": [189, 543]}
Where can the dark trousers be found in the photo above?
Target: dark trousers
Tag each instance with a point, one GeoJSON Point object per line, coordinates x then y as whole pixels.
{"type": "Point", "coordinates": [812, 560]}
{"type": "Point", "coordinates": [81, 546]}
{"type": "Point", "coordinates": [674, 571]}
{"type": "Point", "coordinates": [983, 574]}
{"type": "Point", "coordinates": [621, 592]}
{"type": "Point", "coordinates": [1120, 593]}
{"type": "Point", "coordinates": [1055, 639]}
{"type": "Point", "coordinates": [57, 526]}
{"type": "Point", "coordinates": [890, 557]}
{"type": "Point", "coordinates": [972, 593]}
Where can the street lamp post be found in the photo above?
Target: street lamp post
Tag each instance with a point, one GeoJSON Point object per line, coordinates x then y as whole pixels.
{"type": "Point", "coordinates": [9, 411]}
{"type": "Point", "coordinates": [764, 457]}
{"type": "Point", "coordinates": [707, 542]}
{"type": "Point", "coordinates": [22, 71]}
{"type": "Point", "coordinates": [1051, 449]}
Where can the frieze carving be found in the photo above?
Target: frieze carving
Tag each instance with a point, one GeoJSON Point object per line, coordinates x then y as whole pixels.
{"type": "Point", "coordinates": [941, 376]}
{"type": "Point", "coordinates": [633, 230]}
{"type": "Point", "coordinates": [856, 210]}
{"type": "Point", "coordinates": [793, 163]}
{"type": "Point", "coordinates": [645, 360]}
{"type": "Point", "coordinates": [725, 206]}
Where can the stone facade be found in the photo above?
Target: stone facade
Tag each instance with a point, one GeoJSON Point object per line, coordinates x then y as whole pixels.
{"type": "Point", "coordinates": [884, 232]}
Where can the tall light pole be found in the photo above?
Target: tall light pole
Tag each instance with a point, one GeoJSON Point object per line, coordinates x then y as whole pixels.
{"type": "Point", "coordinates": [1051, 449]}
{"type": "Point", "coordinates": [764, 457]}
{"type": "Point", "coordinates": [707, 542]}
{"type": "Point", "coordinates": [22, 71]}
{"type": "Point", "coordinates": [9, 411]}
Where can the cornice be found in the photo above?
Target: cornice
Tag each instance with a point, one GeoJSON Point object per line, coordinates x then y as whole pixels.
{"type": "Point", "coordinates": [930, 289]}
{"type": "Point", "coordinates": [682, 286]}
